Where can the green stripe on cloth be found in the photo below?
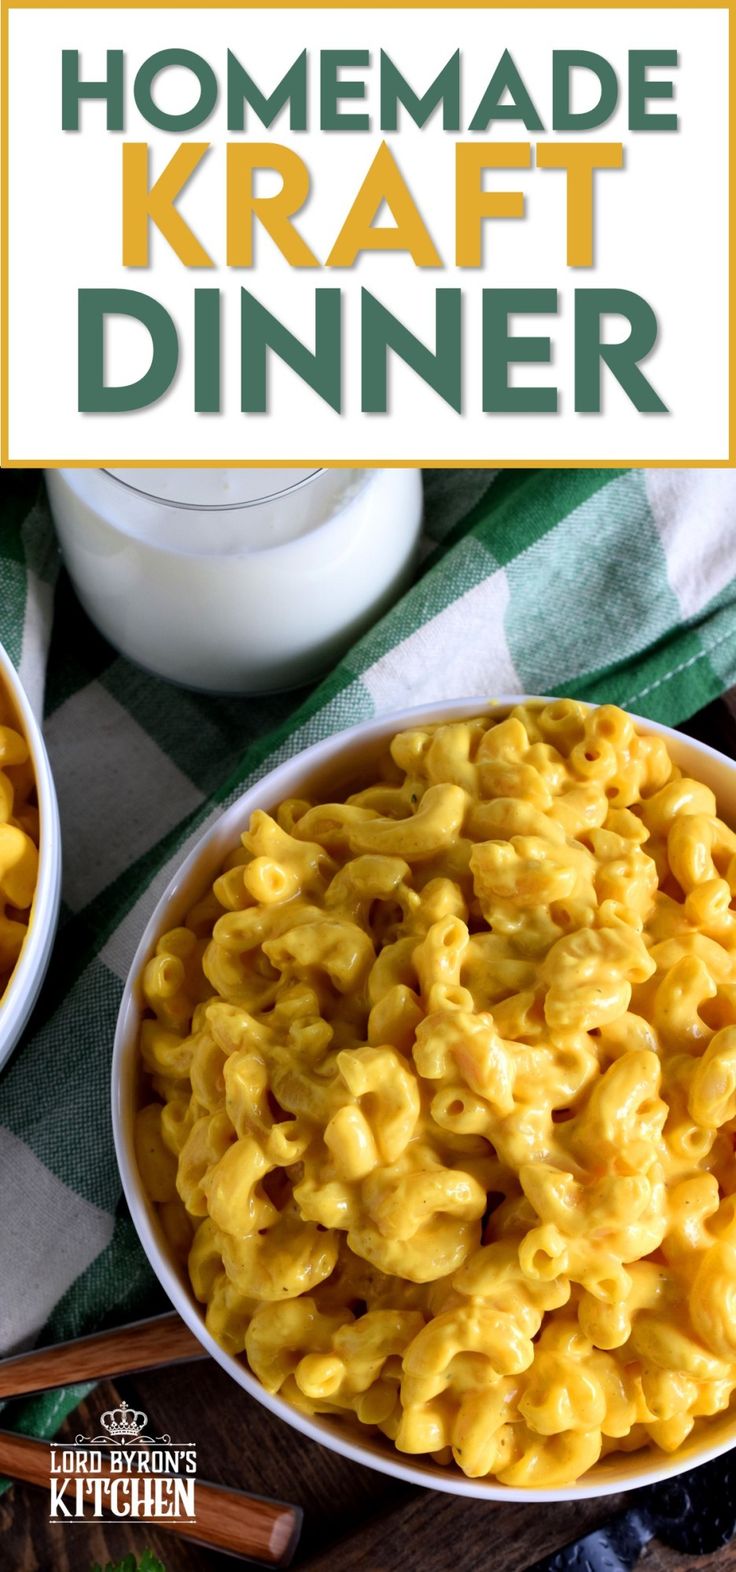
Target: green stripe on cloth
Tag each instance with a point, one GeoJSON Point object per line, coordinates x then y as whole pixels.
{"type": "Point", "coordinates": [574, 599]}
{"type": "Point", "coordinates": [552, 581]}
{"type": "Point", "coordinates": [654, 685]}
{"type": "Point", "coordinates": [12, 600]}
{"type": "Point", "coordinates": [472, 563]}
{"type": "Point", "coordinates": [526, 504]}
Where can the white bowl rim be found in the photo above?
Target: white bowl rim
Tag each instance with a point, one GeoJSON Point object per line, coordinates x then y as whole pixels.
{"type": "Point", "coordinates": [268, 788]}
{"type": "Point", "coordinates": [25, 982]}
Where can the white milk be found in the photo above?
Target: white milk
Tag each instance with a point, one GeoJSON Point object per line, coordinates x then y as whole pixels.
{"type": "Point", "coordinates": [239, 581]}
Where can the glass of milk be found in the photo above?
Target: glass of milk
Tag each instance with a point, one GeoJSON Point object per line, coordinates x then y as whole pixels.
{"type": "Point", "coordinates": [236, 580]}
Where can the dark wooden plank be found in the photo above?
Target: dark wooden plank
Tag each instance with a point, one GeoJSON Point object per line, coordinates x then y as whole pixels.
{"type": "Point", "coordinates": [657, 1559]}
{"type": "Point", "coordinates": [716, 724]}
{"type": "Point", "coordinates": [31, 1544]}
{"type": "Point", "coordinates": [438, 1532]}
{"type": "Point", "coordinates": [240, 1443]}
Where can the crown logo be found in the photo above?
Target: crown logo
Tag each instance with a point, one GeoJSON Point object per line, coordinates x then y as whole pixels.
{"type": "Point", "coordinates": [124, 1424]}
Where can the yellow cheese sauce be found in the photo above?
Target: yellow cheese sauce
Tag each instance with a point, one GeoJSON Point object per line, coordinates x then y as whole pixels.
{"type": "Point", "coordinates": [19, 834]}
{"type": "Point", "coordinates": [442, 1096]}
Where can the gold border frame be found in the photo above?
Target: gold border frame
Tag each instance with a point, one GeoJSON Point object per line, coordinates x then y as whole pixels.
{"type": "Point", "coordinates": [729, 6]}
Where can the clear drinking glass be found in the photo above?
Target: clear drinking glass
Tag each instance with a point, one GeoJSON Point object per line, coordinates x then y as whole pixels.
{"type": "Point", "coordinates": [236, 580]}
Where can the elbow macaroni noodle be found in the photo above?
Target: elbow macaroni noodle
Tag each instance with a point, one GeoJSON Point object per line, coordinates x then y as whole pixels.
{"type": "Point", "coordinates": [19, 828]}
{"type": "Point", "coordinates": [442, 1083]}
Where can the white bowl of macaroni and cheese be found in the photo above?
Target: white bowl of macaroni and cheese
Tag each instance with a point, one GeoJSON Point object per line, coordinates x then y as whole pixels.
{"type": "Point", "coordinates": [424, 1095]}
{"type": "Point", "coordinates": [30, 858]}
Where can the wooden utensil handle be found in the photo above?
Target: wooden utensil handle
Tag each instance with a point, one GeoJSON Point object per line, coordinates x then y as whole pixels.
{"type": "Point", "coordinates": [160, 1340]}
{"type": "Point", "coordinates": [226, 1519]}
{"type": "Point", "coordinates": [225, 1516]}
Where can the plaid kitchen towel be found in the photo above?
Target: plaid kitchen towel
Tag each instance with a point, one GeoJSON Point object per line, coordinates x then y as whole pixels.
{"type": "Point", "coordinates": [606, 584]}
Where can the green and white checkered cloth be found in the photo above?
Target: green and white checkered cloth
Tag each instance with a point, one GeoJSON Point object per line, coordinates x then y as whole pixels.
{"type": "Point", "coordinates": [605, 584]}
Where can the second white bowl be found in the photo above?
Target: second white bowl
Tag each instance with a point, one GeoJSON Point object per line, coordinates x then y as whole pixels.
{"type": "Point", "coordinates": [22, 991]}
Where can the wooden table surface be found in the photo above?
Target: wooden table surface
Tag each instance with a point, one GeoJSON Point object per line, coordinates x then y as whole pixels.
{"type": "Point", "coordinates": [353, 1518]}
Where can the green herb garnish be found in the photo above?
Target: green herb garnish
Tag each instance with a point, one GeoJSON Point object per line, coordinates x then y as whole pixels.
{"type": "Point", "coordinates": [148, 1563]}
